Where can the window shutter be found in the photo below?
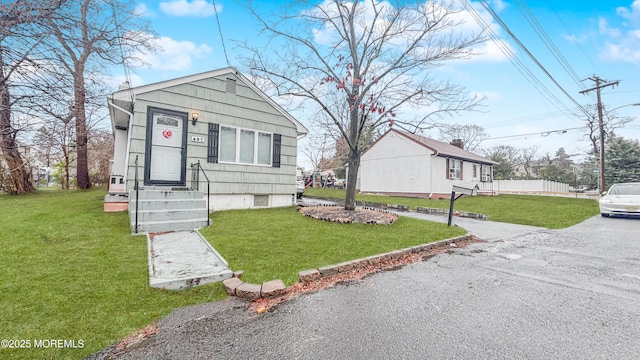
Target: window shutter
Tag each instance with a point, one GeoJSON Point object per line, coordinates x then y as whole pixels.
{"type": "Point", "coordinates": [212, 148]}
{"type": "Point", "coordinates": [277, 143]}
{"type": "Point", "coordinates": [461, 167]}
{"type": "Point", "coordinates": [448, 169]}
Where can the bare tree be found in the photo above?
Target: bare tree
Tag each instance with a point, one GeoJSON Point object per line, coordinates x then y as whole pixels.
{"type": "Point", "coordinates": [507, 158]}
{"type": "Point", "coordinates": [20, 43]}
{"type": "Point", "coordinates": [92, 34]}
{"type": "Point", "coordinates": [470, 135]}
{"type": "Point", "coordinates": [367, 60]}
{"type": "Point", "coordinates": [611, 122]}
{"type": "Point", "coordinates": [100, 151]}
{"type": "Point", "coordinates": [528, 155]}
{"type": "Point", "coordinates": [319, 148]}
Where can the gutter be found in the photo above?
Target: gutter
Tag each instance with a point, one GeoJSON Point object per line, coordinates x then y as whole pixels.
{"type": "Point", "coordinates": [129, 132]}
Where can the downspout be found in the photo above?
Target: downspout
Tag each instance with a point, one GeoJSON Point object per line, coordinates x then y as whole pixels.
{"type": "Point", "coordinates": [129, 132]}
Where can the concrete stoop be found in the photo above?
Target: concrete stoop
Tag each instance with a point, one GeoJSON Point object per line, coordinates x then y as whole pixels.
{"type": "Point", "coordinates": [158, 210]}
{"type": "Point", "coordinates": [184, 259]}
{"type": "Point", "coordinates": [236, 287]}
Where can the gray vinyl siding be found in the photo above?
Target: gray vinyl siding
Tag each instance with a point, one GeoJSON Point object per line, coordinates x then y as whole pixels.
{"type": "Point", "coordinates": [245, 109]}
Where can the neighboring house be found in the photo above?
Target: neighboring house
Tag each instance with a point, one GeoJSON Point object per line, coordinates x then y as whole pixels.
{"type": "Point", "coordinates": [244, 142]}
{"type": "Point", "coordinates": [401, 163]}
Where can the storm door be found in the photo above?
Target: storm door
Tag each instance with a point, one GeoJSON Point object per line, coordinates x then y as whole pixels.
{"type": "Point", "coordinates": [166, 147]}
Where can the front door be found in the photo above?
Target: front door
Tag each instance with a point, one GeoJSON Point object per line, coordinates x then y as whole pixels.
{"type": "Point", "coordinates": [166, 147]}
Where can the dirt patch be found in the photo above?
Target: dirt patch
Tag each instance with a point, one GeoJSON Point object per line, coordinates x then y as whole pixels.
{"type": "Point", "coordinates": [340, 215]}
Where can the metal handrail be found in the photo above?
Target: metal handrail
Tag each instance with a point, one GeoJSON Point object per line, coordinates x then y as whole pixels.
{"type": "Point", "coordinates": [136, 188]}
{"type": "Point", "coordinates": [195, 178]}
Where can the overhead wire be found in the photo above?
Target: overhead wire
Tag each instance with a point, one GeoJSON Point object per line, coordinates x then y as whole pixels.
{"type": "Point", "coordinates": [526, 12]}
{"type": "Point", "coordinates": [224, 48]}
{"type": "Point", "coordinates": [127, 71]}
{"type": "Point", "coordinates": [497, 18]}
{"type": "Point", "coordinates": [506, 50]}
{"type": "Point", "coordinates": [573, 37]}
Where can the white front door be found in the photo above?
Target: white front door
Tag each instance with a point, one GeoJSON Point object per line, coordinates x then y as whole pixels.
{"type": "Point", "coordinates": [166, 155]}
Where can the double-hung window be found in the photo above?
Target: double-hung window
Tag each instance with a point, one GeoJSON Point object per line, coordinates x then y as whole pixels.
{"type": "Point", "coordinates": [486, 173]}
{"type": "Point", "coordinates": [455, 169]}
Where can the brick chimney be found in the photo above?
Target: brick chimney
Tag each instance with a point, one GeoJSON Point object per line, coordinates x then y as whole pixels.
{"type": "Point", "coordinates": [457, 143]}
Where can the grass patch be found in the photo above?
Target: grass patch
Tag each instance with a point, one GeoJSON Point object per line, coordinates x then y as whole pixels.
{"type": "Point", "coordinates": [72, 272]}
{"type": "Point", "coordinates": [278, 243]}
{"type": "Point", "coordinates": [552, 212]}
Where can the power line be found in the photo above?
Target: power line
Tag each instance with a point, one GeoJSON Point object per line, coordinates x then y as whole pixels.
{"type": "Point", "coordinates": [224, 48]}
{"type": "Point", "coordinates": [517, 63]}
{"type": "Point", "coordinates": [488, 7]}
{"type": "Point", "coordinates": [543, 133]}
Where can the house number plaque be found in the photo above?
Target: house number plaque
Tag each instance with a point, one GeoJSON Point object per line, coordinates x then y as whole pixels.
{"type": "Point", "coordinates": [197, 139]}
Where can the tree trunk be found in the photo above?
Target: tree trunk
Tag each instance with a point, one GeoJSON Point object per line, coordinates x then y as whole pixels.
{"type": "Point", "coordinates": [352, 178]}
{"type": "Point", "coordinates": [354, 157]}
{"type": "Point", "coordinates": [82, 165]}
{"type": "Point", "coordinates": [19, 181]}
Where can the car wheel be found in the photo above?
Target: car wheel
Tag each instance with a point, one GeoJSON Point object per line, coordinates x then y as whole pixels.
{"type": "Point", "coordinates": [604, 215]}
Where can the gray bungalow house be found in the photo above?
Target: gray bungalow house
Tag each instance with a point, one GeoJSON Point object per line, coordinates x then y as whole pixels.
{"type": "Point", "coordinates": [174, 135]}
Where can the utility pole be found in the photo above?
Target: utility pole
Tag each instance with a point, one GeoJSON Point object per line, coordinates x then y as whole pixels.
{"type": "Point", "coordinates": [600, 83]}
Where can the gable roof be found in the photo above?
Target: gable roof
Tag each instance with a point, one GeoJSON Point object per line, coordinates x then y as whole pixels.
{"type": "Point", "coordinates": [441, 148]}
{"type": "Point", "coordinates": [129, 94]}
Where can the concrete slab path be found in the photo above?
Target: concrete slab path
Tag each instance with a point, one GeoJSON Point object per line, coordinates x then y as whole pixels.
{"type": "Point", "coordinates": [184, 259]}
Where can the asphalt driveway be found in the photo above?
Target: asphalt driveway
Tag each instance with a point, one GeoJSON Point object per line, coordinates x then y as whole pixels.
{"type": "Point", "coordinates": [526, 293]}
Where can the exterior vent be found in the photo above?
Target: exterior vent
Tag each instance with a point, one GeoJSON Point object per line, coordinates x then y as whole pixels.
{"type": "Point", "coordinates": [231, 86]}
{"type": "Point", "coordinates": [260, 200]}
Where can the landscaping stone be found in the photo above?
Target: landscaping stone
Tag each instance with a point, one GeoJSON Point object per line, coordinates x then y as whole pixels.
{"type": "Point", "coordinates": [309, 275]}
{"type": "Point", "coordinates": [345, 266]}
{"type": "Point", "coordinates": [248, 291]}
{"type": "Point", "coordinates": [328, 270]}
{"type": "Point", "coordinates": [231, 284]}
{"type": "Point", "coordinates": [272, 288]}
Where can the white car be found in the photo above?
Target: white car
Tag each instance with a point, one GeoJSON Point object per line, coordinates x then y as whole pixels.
{"type": "Point", "coordinates": [621, 199]}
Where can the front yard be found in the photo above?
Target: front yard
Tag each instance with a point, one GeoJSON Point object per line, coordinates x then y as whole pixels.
{"type": "Point", "coordinates": [72, 272]}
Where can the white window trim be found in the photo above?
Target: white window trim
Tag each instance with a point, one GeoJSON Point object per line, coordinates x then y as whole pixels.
{"type": "Point", "coordinates": [452, 166]}
{"type": "Point", "coordinates": [485, 173]}
{"type": "Point", "coordinates": [255, 146]}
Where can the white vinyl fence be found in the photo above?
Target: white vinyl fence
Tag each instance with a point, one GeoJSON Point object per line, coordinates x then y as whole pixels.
{"type": "Point", "coordinates": [523, 186]}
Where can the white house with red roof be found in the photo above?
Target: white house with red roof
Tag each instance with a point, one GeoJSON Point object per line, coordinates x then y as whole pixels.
{"type": "Point", "coordinates": [405, 164]}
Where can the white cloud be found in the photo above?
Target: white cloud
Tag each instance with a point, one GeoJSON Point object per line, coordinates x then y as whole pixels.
{"type": "Point", "coordinates": [633, 15]}
{"type": "Point", "coordinates": [622, 44]}
{"type": "Point", "coordinates": [175, 55]}
{"type": "Point", "coordinates": [200, 8]}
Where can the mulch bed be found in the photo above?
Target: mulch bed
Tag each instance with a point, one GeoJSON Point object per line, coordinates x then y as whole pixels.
{"type": "Point", "coordinates": [340, 215]}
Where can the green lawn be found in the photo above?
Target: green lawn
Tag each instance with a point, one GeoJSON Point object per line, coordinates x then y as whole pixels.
{"type": "Point", "coordinates": [69, 271]}
{"type": "Point", "coordinates": [552, 212]}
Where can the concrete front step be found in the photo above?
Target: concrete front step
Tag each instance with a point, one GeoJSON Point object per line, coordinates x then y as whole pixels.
{"type": "Point", "coordinates": [164, 226]}
{"type": "Point", "coordinates": [165, 194]}
{"type": "Point", "coordinates": [163, 204]}
{"type": "Point", "coordinates": [160, 210]}
{"type": "Point", "coordinates": [171, 214]}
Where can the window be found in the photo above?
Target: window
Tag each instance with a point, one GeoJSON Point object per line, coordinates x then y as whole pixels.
{"type": "Point", "coordinates": [475, 171]}
{"type": "Point", "coordinates": [486, 173]}
{"type": "Point", "coordinates": [243, 146]}
{"type": "Point", "coordinates": [455, 169]}
{"type": "Point", "coordinates": [264, 148]}
{"type": "Point", "coordinates": [247, 146]}
{"type": "Point", "coordinates": [227, 144]}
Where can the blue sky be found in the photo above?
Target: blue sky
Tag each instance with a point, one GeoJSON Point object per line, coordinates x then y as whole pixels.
{"type": "Point", "coordinates": [600, 38]}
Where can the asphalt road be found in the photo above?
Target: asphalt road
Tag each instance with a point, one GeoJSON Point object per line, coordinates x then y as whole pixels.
{"type": "Point", "coordinates": [527, 293]}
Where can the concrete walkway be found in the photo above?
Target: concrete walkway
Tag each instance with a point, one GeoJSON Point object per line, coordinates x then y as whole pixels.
{"type": "Point", "coordinates": [184, 259]}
